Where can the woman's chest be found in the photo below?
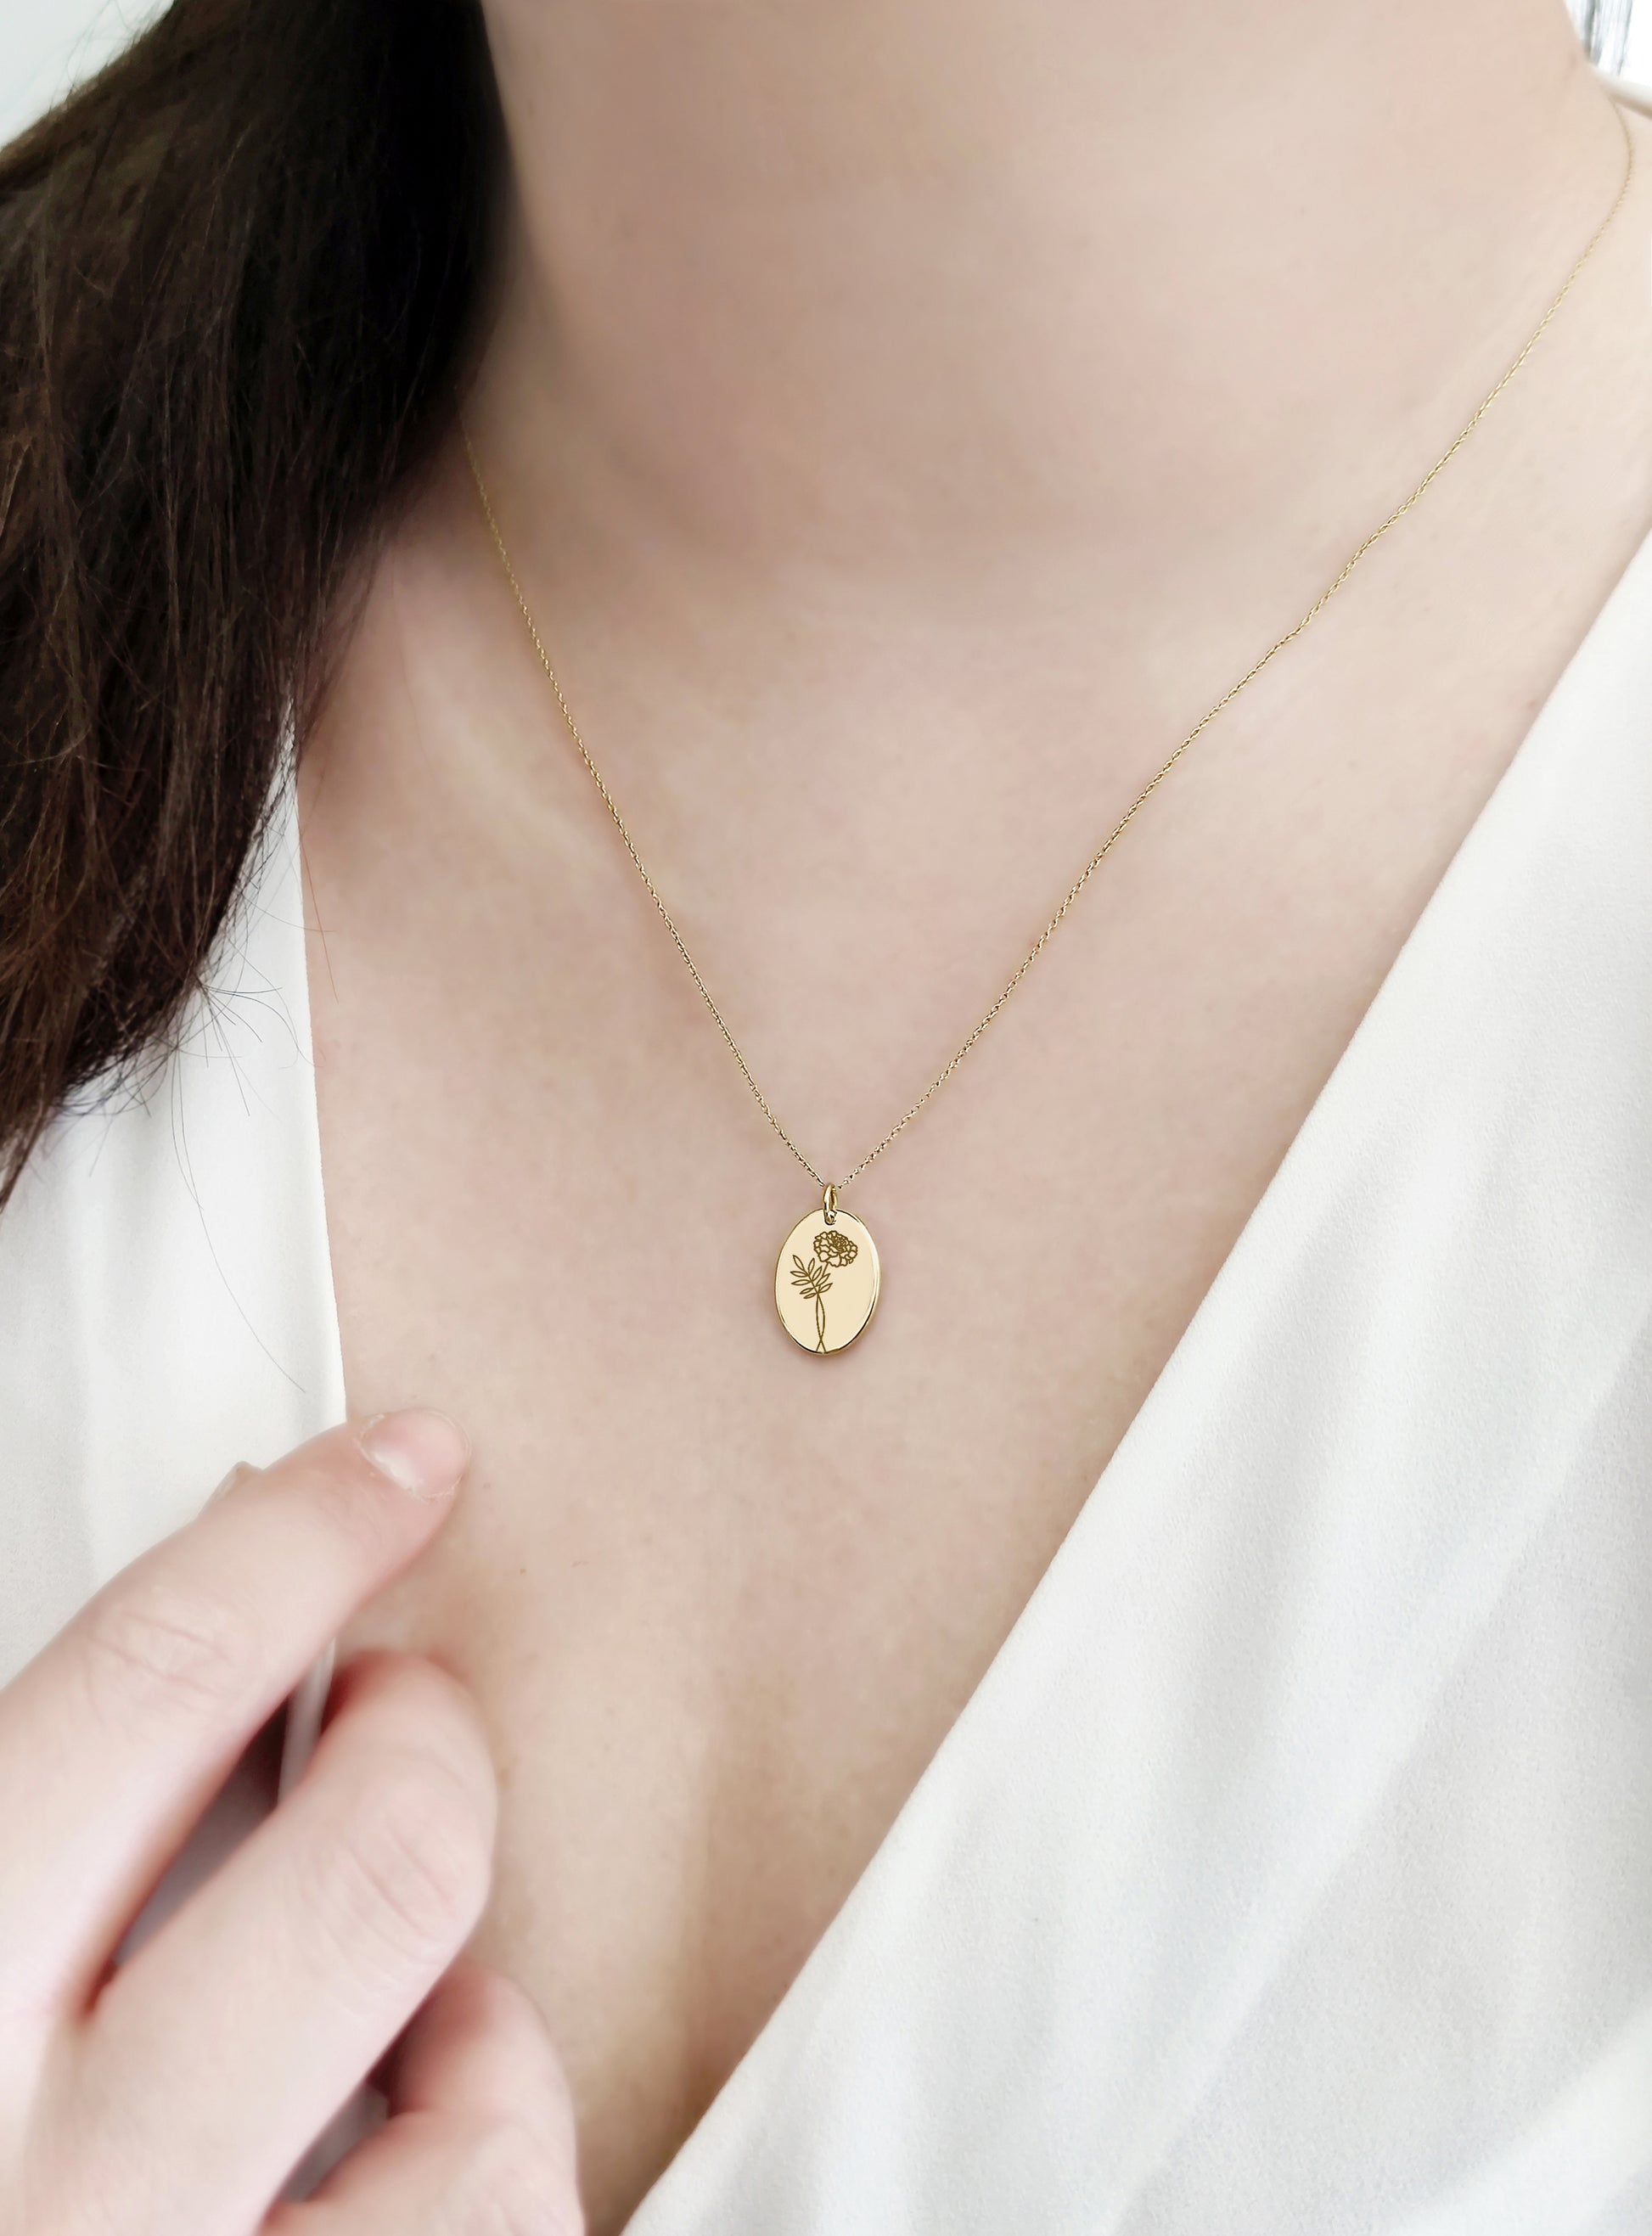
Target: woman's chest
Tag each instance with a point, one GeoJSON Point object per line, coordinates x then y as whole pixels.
{"type": "Point", "coordinates": [722, 1598]}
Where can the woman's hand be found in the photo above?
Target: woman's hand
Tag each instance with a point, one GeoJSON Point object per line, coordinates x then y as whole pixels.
{"type": "Point", "coordinates": [171, 2097]}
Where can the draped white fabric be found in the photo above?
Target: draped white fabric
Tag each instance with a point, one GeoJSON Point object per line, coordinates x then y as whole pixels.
{"type": "Point", "coordinates": [1291, 1870]}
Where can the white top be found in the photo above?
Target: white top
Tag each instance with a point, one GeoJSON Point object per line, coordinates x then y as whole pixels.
{"type": "Point", "coordinates": [1291, 1868]}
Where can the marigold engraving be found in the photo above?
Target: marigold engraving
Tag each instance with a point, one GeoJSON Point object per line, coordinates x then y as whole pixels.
{"type": "Point", "coordinates": [813, 1279]}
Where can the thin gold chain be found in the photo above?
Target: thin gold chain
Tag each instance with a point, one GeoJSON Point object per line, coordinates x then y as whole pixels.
{"type": "Point", "coordinates": [1148, 789]}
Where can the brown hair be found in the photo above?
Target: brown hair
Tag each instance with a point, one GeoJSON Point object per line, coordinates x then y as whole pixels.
{"type": "Point", "coordinates": [237, 275]}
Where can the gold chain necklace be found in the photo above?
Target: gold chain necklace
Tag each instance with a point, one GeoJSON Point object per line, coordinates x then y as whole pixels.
{"type": "Point", "coordinates": [829, 1253]}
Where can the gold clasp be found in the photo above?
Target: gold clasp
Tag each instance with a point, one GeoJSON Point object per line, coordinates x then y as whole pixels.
{"type": "Point", "coordinates": [829, 1203]}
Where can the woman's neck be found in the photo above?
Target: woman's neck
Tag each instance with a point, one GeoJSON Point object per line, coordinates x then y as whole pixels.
{"type": "Point", "coordinates": [922, 296]}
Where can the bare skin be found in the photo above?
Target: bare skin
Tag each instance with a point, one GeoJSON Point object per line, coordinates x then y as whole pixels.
{"type": "Point", "coordinates": [906, 429]}
{"type": "Point", "coordinates": [146, 2098]}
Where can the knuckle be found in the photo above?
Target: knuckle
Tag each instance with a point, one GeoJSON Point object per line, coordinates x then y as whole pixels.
{"type": "Point", "coordinates": [407, 1876]}
{"type": "Point", "coordinates": [511, 2182]}
{"type": "Point", "coordinates": [150, 1642]}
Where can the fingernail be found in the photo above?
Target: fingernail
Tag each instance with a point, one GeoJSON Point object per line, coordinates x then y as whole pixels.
{"type": "Point", "coordinates": [421, 1449]}
{"type": "Point", "coordinates": [243, 1471]}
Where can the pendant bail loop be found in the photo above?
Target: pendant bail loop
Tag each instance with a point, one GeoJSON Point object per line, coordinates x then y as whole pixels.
{"type": "Point", "coordinates": [829, 1202]}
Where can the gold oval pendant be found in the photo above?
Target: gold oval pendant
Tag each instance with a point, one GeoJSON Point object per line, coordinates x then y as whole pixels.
{"type": "Point", "coordinates": [825, 1279]}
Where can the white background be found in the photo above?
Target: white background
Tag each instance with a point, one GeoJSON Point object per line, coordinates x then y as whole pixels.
{"type": "Point", "coordinates": [46, 44]}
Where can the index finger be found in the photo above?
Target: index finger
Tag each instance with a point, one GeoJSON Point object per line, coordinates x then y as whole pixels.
{"type": "Point", "coordinates": [115, 1736]}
